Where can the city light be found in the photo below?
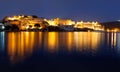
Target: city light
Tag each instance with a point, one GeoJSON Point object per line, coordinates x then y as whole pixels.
{"type": "Point", "coordinates": [28, 22]}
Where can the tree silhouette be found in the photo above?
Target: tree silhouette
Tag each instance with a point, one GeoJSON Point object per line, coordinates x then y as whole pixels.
{"type": "Point", "coordinates": [37, 25]}
{"type": "Point", "coordinates": [34, 16]}
{"type": "Point", "coordinates": [45, 23]}
{"type": "Point", "coordinates": [11, 27]}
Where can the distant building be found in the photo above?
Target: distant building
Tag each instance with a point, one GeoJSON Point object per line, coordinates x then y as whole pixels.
{"type": "Point", "coordinates": [25, 22]}
{"type": "Point", "coordinates": [90, 25]}
{"type": "Point", "coordinates": [113, 26]}
{"type": "Point", "coordinates": [60, 22]}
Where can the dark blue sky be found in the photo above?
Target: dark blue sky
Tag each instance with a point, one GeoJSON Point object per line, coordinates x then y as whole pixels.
{"type": "Point", "coordinates": [87, 10]}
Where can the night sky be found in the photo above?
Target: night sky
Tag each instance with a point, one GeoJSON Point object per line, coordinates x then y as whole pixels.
{"type": "Point", "coordinates": [86, 10]}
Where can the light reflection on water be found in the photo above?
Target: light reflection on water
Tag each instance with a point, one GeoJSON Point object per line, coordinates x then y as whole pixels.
{"type": "Point", "coordinates": [88, 40]}
{"type": "Point", "coordinates": [20, 45]}
{"type": "Point", "coordinates": [2, 41]}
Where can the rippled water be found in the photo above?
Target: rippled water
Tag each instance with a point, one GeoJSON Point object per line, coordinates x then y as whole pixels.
{"type": "Point", "coordinates": [59, 51]}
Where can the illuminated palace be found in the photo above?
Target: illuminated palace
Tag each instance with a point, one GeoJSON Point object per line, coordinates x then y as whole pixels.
{"type": "Point", "coordinates": [31, 22]}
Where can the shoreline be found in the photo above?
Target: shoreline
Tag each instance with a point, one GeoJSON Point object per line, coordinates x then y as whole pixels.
{"type": "Point", "coordinates": [47, 31]}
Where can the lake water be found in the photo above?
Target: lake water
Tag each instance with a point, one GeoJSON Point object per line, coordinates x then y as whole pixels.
{"type": "Point", "coordinates": [59, 51]}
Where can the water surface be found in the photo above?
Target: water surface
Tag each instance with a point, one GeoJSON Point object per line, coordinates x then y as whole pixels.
{"type": "Point", "coordinates": [59, 51]}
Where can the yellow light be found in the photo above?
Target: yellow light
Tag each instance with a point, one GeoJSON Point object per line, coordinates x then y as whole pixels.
{"type": "Point", "coordinates": [20, 45]}
{"type": "Point", "coordinates": [116, 30]}
{"type": "Point", "coordinates": [27, 27]}
{"type": "Point", "coordinates": [52, 41]}
{"type": "Point", "coordinates": [87, 41]}
{"type": "Point", "coordinates": [108, 30]}
{"type": "Point", "coordinates": [23, 21]}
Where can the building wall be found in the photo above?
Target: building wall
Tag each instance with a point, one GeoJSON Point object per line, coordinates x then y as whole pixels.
{"type": "Point", "coordinates": [91, 25]}
{"type": "Point", "coordinates": [25, 22]}
{"type": "Point", "coordinates": [58, 21]}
